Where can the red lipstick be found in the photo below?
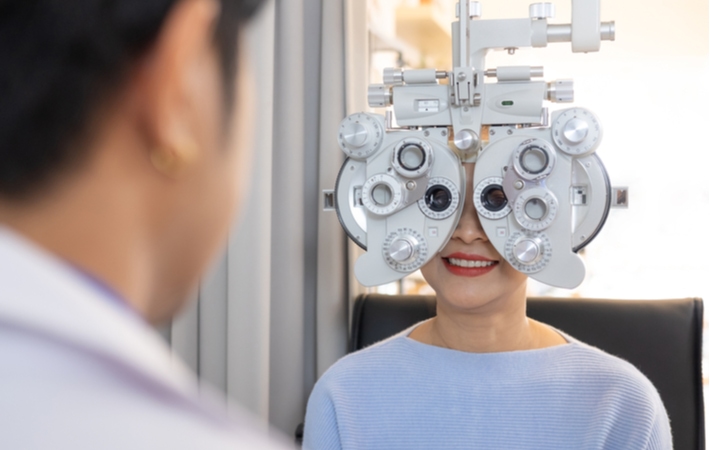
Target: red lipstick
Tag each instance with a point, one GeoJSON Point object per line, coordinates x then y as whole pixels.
{"type": "Point", "coordinates": [468, 265]}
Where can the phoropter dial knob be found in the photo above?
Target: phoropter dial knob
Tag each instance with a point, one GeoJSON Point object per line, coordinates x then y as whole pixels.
{"type": "Point", "coordinates": [528, 252]}
{"type": "Point", "coordinates": [577, 132]}
{"type": "Point", "coordinates": [379, 96]}
{"type": "Point", "coordinates": [360, 135]}
{"type": "Point", "coordinates": [560, 91]}
{"type": "Point", "coordinates": [405, 250]}
{"type": "Point", "coordinates": [542, 11]}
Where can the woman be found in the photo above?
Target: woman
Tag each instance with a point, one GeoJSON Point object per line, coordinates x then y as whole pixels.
{"type": "Point", "coordinates": [123, 155]}
{"type": "Point", "coordinates": [482, 375]}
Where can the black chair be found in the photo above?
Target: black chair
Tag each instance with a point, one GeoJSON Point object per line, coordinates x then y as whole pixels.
{"type": "Point", "coordinates": [663, 338]}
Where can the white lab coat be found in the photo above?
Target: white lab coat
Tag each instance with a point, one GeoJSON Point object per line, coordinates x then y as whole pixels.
{"type": "Point", "coordinates": [77, 372]}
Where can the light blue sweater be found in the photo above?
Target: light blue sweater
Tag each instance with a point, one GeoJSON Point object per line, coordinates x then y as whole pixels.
{"type": "Point", "coordinates": [402, 394]}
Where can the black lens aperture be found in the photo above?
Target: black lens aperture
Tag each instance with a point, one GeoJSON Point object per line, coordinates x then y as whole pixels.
{"type": "Point", "coordinates": [493, 198]}
{"type": "Point", "coordinates": [438, 198]}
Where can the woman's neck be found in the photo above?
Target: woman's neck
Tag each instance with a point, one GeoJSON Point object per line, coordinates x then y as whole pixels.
{"type": "Point", "coordinates": [501, 326]}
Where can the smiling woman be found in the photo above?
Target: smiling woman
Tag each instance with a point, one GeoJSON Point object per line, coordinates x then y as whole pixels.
{"type": "Point", "coordinates": [472, 280]}
{"type": "Point", "coordinates": [482, 374]}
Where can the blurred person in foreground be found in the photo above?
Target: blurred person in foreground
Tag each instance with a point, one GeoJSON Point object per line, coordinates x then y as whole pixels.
{"type": "Point", "coordinates": [124, 149]}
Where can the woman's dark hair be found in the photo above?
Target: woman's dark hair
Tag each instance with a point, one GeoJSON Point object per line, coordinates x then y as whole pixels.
{"type": "Point", "coordinates": [60, 58]}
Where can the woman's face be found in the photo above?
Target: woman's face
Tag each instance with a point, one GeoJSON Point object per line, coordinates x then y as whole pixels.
{"type": "Point", "coordinates": [469, 274]}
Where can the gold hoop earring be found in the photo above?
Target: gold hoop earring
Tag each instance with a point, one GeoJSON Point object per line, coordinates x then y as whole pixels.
{"type": "Point", "coordinates": [173, 161]}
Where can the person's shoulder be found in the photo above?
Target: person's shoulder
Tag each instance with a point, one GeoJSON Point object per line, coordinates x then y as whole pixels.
{"type": "Point", "coordinates": [79, 399]}
{"type": "Point", "coordinates": [351, 378]}
{"type": "Point", "coordinates": [368, 361]}
{"type": "Point", "coordinates": [608, 371]}
{"type": "Point", "coordinates": [600, 361]}
{"type": "Point", "coordinates": [631, 399]}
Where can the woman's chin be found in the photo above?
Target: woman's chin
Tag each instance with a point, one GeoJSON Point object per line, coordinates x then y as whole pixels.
{"type": "Point", "coordinates": [473, 289]}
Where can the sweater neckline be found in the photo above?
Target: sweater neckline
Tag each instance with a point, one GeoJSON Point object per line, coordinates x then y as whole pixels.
{"type": "Point", "coordinates": [414, 344]}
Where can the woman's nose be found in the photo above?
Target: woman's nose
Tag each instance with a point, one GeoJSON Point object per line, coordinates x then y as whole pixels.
{"type": "Point", "coordinates": [469, 228]}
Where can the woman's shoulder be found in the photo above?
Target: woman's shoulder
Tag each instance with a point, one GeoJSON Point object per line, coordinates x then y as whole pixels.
{"type": "Point", "coordinates": [369, 365]}
{"type": "Point", "coordinates": [372, 356]}
{"type": "Point", "coordinates": [592, 365]}
{"type": "Point", "coordinates": [631, 399]}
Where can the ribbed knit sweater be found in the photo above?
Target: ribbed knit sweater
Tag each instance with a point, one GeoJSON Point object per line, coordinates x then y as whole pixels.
{"type": "Point", "coordinates": [402, 394]}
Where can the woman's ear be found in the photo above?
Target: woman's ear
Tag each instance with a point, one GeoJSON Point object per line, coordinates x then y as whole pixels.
{"type": "Point", "coordinates": [169, 83]}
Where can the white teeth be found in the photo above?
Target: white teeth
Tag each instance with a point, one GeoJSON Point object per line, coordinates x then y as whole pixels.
{"type": "Point", "coordinates": [468, 263]}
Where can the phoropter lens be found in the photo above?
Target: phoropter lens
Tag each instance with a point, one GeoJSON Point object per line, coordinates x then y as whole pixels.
{"type": "Point", "coordinates": [536, 208]}
{"type": "Point", "coordinates": [381, 195]}
{"type": "Point", "coordinates": [412, 157]}
{"type": "Point", "coordinates": [534, 159]}
{"type": "Point", "coordinates": [438, 198]}
{"type": "Point", "coordinates": [493, 198]}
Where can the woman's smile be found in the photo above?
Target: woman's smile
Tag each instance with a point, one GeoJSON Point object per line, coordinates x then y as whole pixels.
{"type": "Point", "coordinates": [468, 265]}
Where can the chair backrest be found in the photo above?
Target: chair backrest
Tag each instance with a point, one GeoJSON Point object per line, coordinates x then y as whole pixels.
{"type": "Point", "coordinates": [662, 338]}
